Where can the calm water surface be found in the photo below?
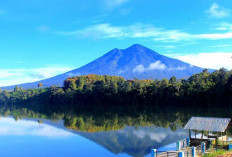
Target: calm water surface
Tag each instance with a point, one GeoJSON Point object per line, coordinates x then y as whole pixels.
{"type": "Point", "coordinates": [27, 137]}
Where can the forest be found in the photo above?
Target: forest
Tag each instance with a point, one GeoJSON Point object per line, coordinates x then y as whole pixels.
{"type": "Point", "coordinates": [200, 89]}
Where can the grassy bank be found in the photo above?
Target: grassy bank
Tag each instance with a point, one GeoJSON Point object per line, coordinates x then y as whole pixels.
{"type": "Point", "coordinates": [219, 152]}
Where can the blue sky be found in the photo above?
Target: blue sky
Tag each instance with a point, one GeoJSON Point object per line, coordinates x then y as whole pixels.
{"type": "Point", "coordinates": [43, 38]}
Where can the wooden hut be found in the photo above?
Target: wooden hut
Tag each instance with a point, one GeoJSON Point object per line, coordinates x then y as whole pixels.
{"type": "Point", "coordinates": [206, 128]}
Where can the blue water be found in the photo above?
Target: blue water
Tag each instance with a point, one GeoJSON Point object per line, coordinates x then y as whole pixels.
{"type": "Point", "coordinates": [169, 147]}
{"type": "Point", "coordinates": [28, 138]}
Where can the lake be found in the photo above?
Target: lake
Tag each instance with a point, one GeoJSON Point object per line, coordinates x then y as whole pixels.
{"type": "Point", "coordinates": [43, 130]}
{"type": "Point", "coordinates": [30, 137]}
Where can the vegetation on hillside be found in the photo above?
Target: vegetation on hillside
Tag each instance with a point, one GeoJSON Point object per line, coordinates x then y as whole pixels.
{"type": "Point", "coordinates": [200, 89]}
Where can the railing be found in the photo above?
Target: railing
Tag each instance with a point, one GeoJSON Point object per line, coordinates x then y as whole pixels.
{"type": "Point", "coordinates": [198, 149]}
{"type": "Point", "coordinates": [183, 149]}
{"type": "Point", "coordinates": [179, 148]}
{"type": "Point", "coordinates": [221, 144]}
{"type": "Point", "coordinates": [166, 154]}
{"type": "Point", "coordinates": [187, 153]}
{"type": "Point", "coordinates": [224, 143]}
{"type": "Point", "coordinates": [183, 143]}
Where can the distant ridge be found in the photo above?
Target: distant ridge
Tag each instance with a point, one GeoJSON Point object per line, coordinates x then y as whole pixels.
{"type": "Point", "coordinates": [136, 61]}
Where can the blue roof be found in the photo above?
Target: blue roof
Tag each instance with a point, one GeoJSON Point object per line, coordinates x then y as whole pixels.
{"type": "Point", "coordinates": [208, 124]}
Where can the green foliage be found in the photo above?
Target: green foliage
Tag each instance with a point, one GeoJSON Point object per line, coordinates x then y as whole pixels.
{"type": "Point", "coordinates": [16, 89]}
{"type": "Point", "coordinates": [217, 153]}
{"type": "Point", "coordinates": [202, 89]}
{"type": "Point", "coordinates": [172, 80]}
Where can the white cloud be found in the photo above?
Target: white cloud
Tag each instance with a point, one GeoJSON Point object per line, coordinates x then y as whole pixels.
{"type": "Point", "coordinates": [215, 60]}
{"type": "Point", "coordinates": [215, 36]}
{"type": "Point", "coordinates": [177, 68]}
{"type": "Point", "coordinates": [18, 76]}
{"type": "Point", "coordinates": [155, 136]}
{"type": "Point", "coordinates": [109, 4]}
{"type": "Point", "coordinates": [224, 26]}
{"type": "Point", "coordinates": [218, 12]}
{"type": "Point", "coordinates": [9, 126]}
{"type": "Point", "coordinates": [221, 28]}
{"type": "Point", "coordinates": [103, 31]}
{"type": "Point", "coordinates": [97, 31]}
{"type": "Point", "coordinates": [158, 65]}
{"type": "Point", "coordinates": [139, 68]}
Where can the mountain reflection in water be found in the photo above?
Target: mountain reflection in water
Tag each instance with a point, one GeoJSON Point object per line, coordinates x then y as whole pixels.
{"type": "Point", "coordinates": [27, 137]}
{"type": "Point", "coordinates": [135, 141]}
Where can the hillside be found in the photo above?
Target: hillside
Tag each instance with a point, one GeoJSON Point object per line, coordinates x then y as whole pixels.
{"type": "Point", "coordinates": [136, 61]}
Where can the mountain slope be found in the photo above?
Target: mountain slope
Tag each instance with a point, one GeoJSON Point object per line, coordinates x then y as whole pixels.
{"type": "Point", "coordinates": [136, 61]}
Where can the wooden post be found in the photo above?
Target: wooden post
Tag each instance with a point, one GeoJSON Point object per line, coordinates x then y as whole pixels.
{"type": "Point", "coordinates": [222, 139]}
{"type": "Point", "coordinates": [210, 143]}
{"type": "Point", "coordinates": [216, 143]}
{"type": "Point", "coordinates": [189, 134]}
{"type": "Point", "coordinates": [203, 147]}
{"type": "Point", "coordinates": [195, 134]}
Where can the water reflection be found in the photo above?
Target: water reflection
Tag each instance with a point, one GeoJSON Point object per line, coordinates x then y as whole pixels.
{"type": "Point", "coordinates": [9, 126]}
{"type": "Point", "coordinates": [26, 138]}
{"type": "Point", "coordinates": [136, 141]}
{"type": "Point", "coordinates": [92, 133]}
{"type": "Point", "coordinates": [53, 138]}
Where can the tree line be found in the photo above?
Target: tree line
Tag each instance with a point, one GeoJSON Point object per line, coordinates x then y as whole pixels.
{"type": "Point", "coordinates": [114, 92]}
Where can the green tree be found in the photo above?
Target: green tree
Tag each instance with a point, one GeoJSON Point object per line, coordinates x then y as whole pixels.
{"type": "Point", "coordinates": [73, 85]}
{"type": "Point", "coordinates": [172, 80]}
{"type": "Point", "coordinates": [6, 94]}
{"type": "Point", "coordinates": [80, 83]}
{"type": "Point", "coordinates": [80, 123]}
{"type": "Point", "coordinates": [16, 89]}
{"type": "Point", "coordinates": [164, 83]}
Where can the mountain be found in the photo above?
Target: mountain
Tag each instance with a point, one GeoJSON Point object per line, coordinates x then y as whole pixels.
{"type": "Point", "coordinates": [136, 61]}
